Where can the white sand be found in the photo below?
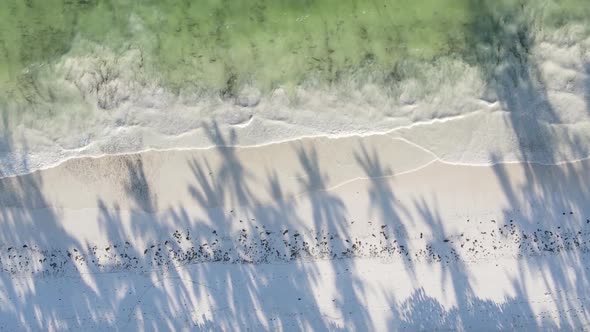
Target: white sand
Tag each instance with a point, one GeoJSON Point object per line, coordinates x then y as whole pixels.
{"type": "Point", "coordinates": [351, 233]}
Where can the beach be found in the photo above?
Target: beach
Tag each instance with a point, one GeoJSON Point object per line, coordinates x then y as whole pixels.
{"type": "Point", "coordinates": [294, 165]}
{"type": "Point", "coordinates": [362, 233]}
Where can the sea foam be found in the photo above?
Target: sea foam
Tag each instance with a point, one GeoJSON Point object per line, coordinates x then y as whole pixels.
{"type": "Point", "coordinates": [103, 102]}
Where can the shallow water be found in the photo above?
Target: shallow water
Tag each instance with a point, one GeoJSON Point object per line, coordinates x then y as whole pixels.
{"type": "Point", "coordinates": [100, 77]}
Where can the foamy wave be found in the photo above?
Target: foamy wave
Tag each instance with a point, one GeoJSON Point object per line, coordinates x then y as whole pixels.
{"type": "Point", "coordinates": [106, 103]}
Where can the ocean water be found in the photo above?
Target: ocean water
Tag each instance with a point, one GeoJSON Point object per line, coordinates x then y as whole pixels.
{"type": "Point", "coordinates": [474, 82]}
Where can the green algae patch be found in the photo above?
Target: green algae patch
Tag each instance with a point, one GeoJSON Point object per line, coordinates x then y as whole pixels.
{"type": "Point", "coordinates": [222, 44]}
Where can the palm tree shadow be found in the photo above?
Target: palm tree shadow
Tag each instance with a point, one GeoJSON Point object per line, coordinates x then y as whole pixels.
{"type": "Point", "coordinates": [29, 251]}
{"type": "Point", "coordinates": [470, 311]}
{"type": "Point", "coordinates": [138, 187]}
{"type": "Point", "coordinates": [549, 210]}
{"type": "Point", "coordinates": [232, 175]}
{"type": "Point", "coordinates": [500, 41]}
{"type": "Point", "coordinates": [587, 86]}
{"type": "Point", "coordinates": [383, 199]}
{"type": "Point", "coordinates": [329, 215]}
{"type": "Point", "coordinates": [328, 210]}
{"type": "Point", "coordinates": [503, 40]}
{"type": "Point", "coordinates": [261, 238]}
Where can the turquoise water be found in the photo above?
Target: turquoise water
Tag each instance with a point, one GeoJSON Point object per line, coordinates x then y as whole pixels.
{"type": "Point", "coordinates": [221, 44]}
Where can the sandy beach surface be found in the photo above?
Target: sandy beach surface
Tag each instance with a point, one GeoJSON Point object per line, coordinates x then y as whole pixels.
{"type": "Point", "coordinates": [371, 233]}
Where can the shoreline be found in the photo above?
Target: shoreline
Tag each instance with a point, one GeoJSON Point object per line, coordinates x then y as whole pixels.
{"type": "Point", "coordinates": [338, 218]}
{"type": "Point", "coordinates": [484, 115]}
{"type": "Point", "coordinates": [294, 140]}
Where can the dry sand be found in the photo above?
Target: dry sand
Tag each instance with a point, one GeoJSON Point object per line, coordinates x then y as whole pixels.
{"type": "Point", "coordinates": [351, 233]}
